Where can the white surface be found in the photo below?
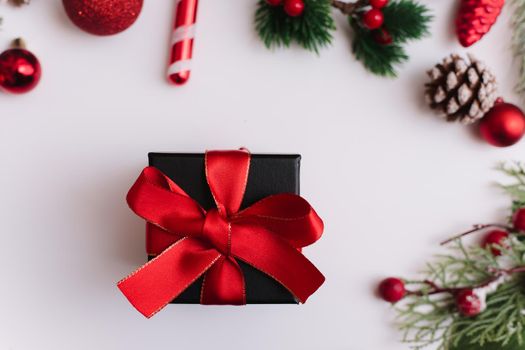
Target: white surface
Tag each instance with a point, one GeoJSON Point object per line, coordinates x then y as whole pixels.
{"type": "Point", "coordinates": [389, 178]}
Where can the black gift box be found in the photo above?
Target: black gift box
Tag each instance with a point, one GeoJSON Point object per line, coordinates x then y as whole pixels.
{"type": "Point", "coordinates": [268, 175]}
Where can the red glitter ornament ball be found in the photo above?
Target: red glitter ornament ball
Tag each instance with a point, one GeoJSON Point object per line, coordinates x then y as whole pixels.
{"type": "Point", "coordinates": [468, 303]}
{"type": "Point", "coordinates": [373, 19]}
{"type": "Point", "coordinates": [503, 125]}
{"type": "Point", "coordinates": [495, 237]}
{"type": "Point", "coordinates": [392, 289]}
{"type": "Point", "coordinates": [103, 17]}
{"type": "Point", "coordinates": [294, 8]}
{"type": "Point", "coordinates": [20, 70]}
{"type": "Point", "coordinates": [518, 220]}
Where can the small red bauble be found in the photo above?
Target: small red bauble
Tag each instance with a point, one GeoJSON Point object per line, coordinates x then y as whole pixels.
{"type": "Point", "coordinates": [503, 125]}
{"type": "Point", "coordinates": [495, 237]}
{"type": "Point", "coordinates": [468, 303]}
{"type": "Point", "coordinates": [103, 17]}
{"type": "Point", "coordinates": [274, 2]}
{"type": "Point", "coordinates": [383, 37]}
{"type": "Point", "coordinates": [20, 70]}
{"type": "Point", "coordinates": [373, 19]}
{"type": "Point", "coordinates": [392, 289]}
{"type": "Point", "coordinates": [294, 8]}
{"type": "Point", "coordinates": [518, 220]}
{"type": "Point", "coordinates": [378, 4]}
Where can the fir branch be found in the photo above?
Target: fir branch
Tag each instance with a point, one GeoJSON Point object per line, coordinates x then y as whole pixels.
{"type": "Point", "coordinates": [312, 30]}
{"type": "Point", "coordinates": [407, 20]}
{"type": "Point", "coordinates": [518, 41]}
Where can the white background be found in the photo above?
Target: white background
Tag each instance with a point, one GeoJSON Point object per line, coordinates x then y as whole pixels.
{"type": "Point", "coordinates": [389, 177]}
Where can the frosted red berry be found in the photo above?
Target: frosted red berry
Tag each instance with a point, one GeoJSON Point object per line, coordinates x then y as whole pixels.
{"type": "Point", "coordinates": [495, 237]}
{"type": "Point", "coordinates": [383, 37]}
{"type": "Point", "coordinates": [274, 2]}
{"type": "Point", "coordinates": [392, 289]}
{"type": "Point", "coordinates": [294, 8]}
{"type": "Point", "coordinates": [518, 221]}
{"type": "Point", "coordinates": [378, 4]}
{"type": "Point", "coordinates": [373, 18]}
{"type": "Point", "coordinates": [468, 303]}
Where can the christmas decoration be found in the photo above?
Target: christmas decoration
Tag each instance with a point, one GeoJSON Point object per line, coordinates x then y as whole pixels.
{"type": "Point", "coordinates": [249, 254]}
{"type": "Point", "coordinates": [465, 90]}
{"type": "Point", "coordinates": [518, 221]}
{"type": "Point", "coordinates": [380, 27]}
{"type": "Point", "coordinates": [470, 298]}
{"type": "Point", "coordinates": [503, 125]}
{"type": "Point", "coordinates": [461, 89]}
{"type": "Point", "coordinates": [20, 70]}
{"type": "Point", "coordinates": [19, 2]}
{"type": "Point", "coordinates": [103, 17]}
{"type": "Point", "coordinates": [518, 44]}
{"type": "Point", "coordinates": [181, 49]}
{"type": "Point", "coordinates": [392, 289]}
{"type": "Point", "coordinates": [475, 18]}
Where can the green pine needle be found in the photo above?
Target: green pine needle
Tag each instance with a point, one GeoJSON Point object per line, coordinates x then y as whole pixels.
{"type": "Point", "coordinates": [433, 319]}
{"type": "Point", "coordinates": [312, 30]}
{"type": "Point", "coordinates": [405, 20]}
{"type": "Point", "coordinates": [518, 41]}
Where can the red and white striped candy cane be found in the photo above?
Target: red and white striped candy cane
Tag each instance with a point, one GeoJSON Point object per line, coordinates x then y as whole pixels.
{"type": "Point", "coordinates": [182, 41]}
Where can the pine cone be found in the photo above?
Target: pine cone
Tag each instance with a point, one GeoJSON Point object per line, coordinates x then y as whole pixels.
{"type": "Point", "coordinates": [461, 89]}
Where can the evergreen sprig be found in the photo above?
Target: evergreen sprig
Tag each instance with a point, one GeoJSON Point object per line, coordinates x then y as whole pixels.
{"type": "Point", "coordinates": [432, 319]}
{"type": "Point", "coordinates": [405, 20]}
{"type": "Point", "coordinates": [518, 41]}
{"type": "Point", "coordinates": [312, 30]}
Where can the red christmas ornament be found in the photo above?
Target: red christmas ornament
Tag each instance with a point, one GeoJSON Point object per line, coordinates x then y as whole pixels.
{"type": "Point", "coordinates": [468, 303]}
{"type": "Point", "coordinates": [103, 17]}
{"type": "Point", "coordinates": [373, 19]}
{"type": "Point", "coordinates": [475, 18]}
{"type": "Point", "coordinates": [20, 70]}
{"type": "Point", "coordinates": [495, 237]}
{"type": "Point", "coordinates": [518, 220]}
{"type": "Point", "coordinates": [383, 37]}
{"type": "Point", "coordinates": [378, 4]}
{"type": "Point", "coordinates": [294, 8]}
{"type": "Point", "coordinates": [392, 289]}
{"type": "Point", "coordinates": [503, 125]}
{"type": "Point", "coordinates": [274, 2]}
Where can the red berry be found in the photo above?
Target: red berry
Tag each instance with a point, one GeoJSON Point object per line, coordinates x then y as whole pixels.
{"type": "Point", "coordinates": [373, 19]}
{"type": "Point", "coordinates": [495, 237]}
{"type": "Point", "coordinates": [518, 220]}
{"type": "Point", "coordinates": [392, 289]}
{"type": "Point", "coordinates": [468, 303]}
{"type": "Point", "coordinates": [378, 4]}
{"type": "Point", "coordinates": [294, 8]}
{"type": "Point", "coordinates": [274, 2]}
{"type": "Point", "coordinates": [383, 37]}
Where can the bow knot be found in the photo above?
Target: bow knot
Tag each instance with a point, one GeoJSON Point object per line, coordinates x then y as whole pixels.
{"type": "Point", "coordinates": [217, 231]}
{"type": "Point", "coordinates": [190, 242]}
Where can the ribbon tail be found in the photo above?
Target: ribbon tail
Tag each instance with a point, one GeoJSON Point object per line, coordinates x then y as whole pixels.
{"type": "Point", "coordinates": [224, 284]}
{"type": "Point", "coordinates": [162, 279]}
{"type": "Point", "coordinates": [278, 259]}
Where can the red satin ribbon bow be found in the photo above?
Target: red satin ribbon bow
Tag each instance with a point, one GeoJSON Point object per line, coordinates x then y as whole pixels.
{"type": "Point", "coordinates": [192, 242]}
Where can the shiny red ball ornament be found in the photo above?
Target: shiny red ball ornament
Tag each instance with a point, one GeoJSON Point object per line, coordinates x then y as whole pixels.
{"type": "Point", "coordinates": [475, 18]}
{"type": "Point", "coordinates": [495, 237]}
{"type": "Point", "coordinates": [468, 303]}
{"type": "Point", "coordinates": [373, 18]}
{"type": "Point", "coordinates": [20, 70]}
{"type": "Point", "coordinates": [103, 17]}
{"type": "Point", "coordinates": [503, 125]}
{"type": "Point", "coordinates": [294, 8]}
{"type": "Point", "coordinates": [392, 289]}
{"type": "Point", "coordinates": [518, 220]}
{"type": "Point", "coordinates": [274, 2]}
{"type": "Point", "coordinates": [383, 37]}
{"type": "Point", "coordinates": [378, 4]}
